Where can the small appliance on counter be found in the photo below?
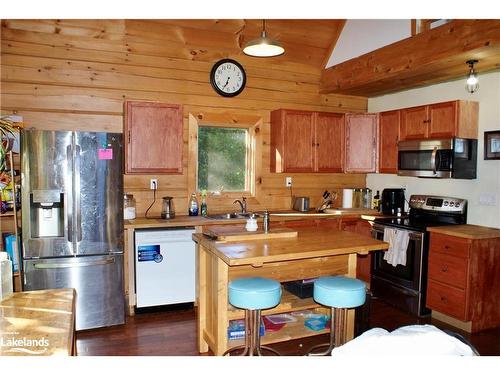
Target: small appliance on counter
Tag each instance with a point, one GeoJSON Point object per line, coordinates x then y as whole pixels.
{"type": "Point", "coordinates": [301, 204]}
{"type": "Point", "coordinates": [393, 201]}
{"type": "Point", "coordinates": [168, 210]}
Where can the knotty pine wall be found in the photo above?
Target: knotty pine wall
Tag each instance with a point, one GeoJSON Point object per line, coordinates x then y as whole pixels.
{"type": "Point", "coordinates": [76, 75]}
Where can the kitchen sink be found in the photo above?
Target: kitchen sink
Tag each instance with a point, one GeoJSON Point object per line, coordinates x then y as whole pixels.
{"type": "Point", "coordinates": [232, 215]}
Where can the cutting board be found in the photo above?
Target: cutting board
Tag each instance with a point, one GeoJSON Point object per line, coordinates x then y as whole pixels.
{"type": "Point", "coordinates": [239, 233]}
{"type": "Point", "coordinates": [353, 211]}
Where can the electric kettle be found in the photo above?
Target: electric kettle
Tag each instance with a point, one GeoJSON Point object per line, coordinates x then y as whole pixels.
{"type": "Point", "coordinates": [168, 210]}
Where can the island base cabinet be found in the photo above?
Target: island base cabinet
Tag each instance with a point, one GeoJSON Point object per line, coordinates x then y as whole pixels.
{"type": "Point", "coordinates": [214, 311]}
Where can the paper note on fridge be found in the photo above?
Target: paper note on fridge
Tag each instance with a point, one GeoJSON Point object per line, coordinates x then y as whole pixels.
{"type": "Point", "coordinates": [105, 153]}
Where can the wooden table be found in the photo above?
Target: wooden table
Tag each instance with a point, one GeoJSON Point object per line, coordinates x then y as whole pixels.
{"type": "Point", "coordinates": [314, 252]}
{"type": "Point", "coordinates": [38, 323]}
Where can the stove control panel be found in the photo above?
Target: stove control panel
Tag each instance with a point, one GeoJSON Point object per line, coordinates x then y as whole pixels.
{"type": "Point", "coordinates": [438, 203]}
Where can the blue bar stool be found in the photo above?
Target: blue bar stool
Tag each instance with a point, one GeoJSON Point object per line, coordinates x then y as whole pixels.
{"type": "Point", "coordinates": [253, 294]}
{"type": "Point", "coordinates": [340, 293]}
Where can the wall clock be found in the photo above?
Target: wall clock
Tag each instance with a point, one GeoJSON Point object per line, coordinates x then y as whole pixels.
{"type": "Point", "coordinates": [228, 78]}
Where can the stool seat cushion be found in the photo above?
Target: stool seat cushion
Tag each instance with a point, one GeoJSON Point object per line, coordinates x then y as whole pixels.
{"type": "Point", "coordinates": [339, 291]}
{"type": "Point", "coordinates": [254, 293]}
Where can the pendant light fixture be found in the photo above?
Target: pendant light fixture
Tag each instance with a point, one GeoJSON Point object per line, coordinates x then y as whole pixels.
{"type": "Point", "coordinates": [472, 83]}
{"type": "Point", "coordinates": [263, 46]}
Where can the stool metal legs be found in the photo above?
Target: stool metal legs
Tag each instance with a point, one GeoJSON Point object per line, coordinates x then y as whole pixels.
{"type": "Point", "coordinates": [338, 328]}
{"type": "Point", "coordinates": [252, 336]}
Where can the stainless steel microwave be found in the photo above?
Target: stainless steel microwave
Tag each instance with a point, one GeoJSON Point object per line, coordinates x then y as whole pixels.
{"type": "Point", "coordinates": [438, 158]}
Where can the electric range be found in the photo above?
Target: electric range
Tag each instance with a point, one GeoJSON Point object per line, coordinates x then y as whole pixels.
{"type": "Point", "coordinates": [404, 286]}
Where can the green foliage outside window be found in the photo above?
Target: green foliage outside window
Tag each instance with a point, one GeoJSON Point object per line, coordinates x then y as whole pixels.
{"type": "Point", "coordinates": [222, 155]}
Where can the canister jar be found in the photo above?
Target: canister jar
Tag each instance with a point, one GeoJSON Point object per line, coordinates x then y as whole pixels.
{"type": "Point", "coordinates": [128, 207]}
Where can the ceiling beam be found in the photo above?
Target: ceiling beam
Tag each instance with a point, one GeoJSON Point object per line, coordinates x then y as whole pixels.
{"type": "Point", "coordinates": [434, 56]}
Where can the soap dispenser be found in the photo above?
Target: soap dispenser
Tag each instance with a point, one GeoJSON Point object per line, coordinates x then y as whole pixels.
{"type": "Point", "coordinates": [193, 205]}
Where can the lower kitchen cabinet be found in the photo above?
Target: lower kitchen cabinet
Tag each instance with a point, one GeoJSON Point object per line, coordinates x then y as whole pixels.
{"type": "Point", "coordinates": [463, 279]}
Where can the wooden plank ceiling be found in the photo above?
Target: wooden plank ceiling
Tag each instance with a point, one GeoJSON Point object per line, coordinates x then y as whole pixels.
{"type": "Point", "coordinates": [306, 42]}
{"type": "Point", "coordinates": [433, 56]}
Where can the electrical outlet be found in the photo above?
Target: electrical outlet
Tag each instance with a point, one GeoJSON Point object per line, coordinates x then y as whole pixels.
{"type": "Point", "coordinates": [288, 181]}
{"type": "Point", "coordinates": [153, 183]}
{"type": "Point", "coordinates": [487, 199]}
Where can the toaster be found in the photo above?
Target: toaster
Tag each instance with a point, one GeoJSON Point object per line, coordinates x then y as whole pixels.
{"type": "Point", "coordinates": [301, 204]}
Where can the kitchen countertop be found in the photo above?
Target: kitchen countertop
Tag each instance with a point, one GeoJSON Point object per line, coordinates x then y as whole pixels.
{"type": "Point", "coordinates": [180, 221]}
{"type": "Point", "coordinates": [309, 243]}
{"type": "Point", "coordinates": [43, 318]}
{"type": "Point", "coordinates": [469, 231]}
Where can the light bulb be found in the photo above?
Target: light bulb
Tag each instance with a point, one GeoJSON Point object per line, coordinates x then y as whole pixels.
{"type": "Point", "coordinates": [472, 79]}
{"type": "Point", "coordinates": [472, 82]}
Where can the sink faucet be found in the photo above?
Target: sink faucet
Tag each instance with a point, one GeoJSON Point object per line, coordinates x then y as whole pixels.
{"type": "Point", "coordinates": [243, 204]}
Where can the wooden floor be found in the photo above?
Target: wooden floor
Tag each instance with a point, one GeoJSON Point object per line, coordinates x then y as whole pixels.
{"type": "Point", "coordinates": [174, 333]}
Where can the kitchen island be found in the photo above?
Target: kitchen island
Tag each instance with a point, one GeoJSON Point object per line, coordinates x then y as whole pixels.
{"type": "Point", "coordinates": [312, 253]}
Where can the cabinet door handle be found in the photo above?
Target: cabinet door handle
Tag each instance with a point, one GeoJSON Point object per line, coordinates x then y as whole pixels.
{"type": "Point", "coordinates": [446, 247]}
{"type": "Point", "coordinates": [444, 269]}
{"type": "Point", "coordinates": [443, 299]}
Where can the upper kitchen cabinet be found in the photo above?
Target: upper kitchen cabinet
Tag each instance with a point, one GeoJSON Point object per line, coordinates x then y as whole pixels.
{"type": "Point", "coordinates": [457, 118]}
{"type": "Point", "coordinates": [389, 123]}
{"type": "Point", "coordinates": [153, 136]}
{"type": "Point", "coordinates": [329, 132]}
{"type": "Point", "coordinates": [361, 140]}
{"type": "Point", "coordinates": [303, 141]}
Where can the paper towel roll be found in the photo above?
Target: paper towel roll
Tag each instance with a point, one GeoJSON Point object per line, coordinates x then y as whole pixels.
{"type": "Point", "coordinates": [347, 198]}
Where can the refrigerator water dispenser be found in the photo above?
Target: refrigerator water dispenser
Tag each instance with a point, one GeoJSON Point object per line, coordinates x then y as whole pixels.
{"type": "Point", "coordinates": [47, 213]}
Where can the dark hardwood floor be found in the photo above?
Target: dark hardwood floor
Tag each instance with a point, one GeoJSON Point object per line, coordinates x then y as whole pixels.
{"type": "Point", "coordinates": [173, 333]}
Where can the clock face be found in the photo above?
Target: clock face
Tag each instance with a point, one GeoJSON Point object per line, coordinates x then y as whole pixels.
{"type": "Point", "coordinates": [228, 77]}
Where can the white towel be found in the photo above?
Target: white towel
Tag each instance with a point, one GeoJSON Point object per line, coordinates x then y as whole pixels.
{"type": "Point", "coordinates": [417, 340]}
{"type": "Point", "coordinates": [398, 244]}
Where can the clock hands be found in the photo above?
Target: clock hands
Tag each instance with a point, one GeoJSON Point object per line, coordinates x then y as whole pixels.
{"type": "Point", "coordinates": [226, 82]}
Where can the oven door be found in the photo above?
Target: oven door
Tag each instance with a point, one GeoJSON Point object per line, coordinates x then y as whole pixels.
{"type": "Point", "coordinates": [408, 276]}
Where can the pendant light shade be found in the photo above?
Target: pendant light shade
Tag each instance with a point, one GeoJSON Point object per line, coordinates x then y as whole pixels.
{"type": "Point", "coordinates": [263, 46]}
{"type": "Point", "coordinates": [472, 83]}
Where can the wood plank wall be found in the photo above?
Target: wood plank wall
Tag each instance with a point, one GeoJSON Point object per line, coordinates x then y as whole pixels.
{"type": "Point", "coordinates": [76, 75]}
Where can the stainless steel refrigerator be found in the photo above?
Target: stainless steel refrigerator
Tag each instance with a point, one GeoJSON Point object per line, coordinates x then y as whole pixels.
{"type": "Point", "coordinates": [72, 220]}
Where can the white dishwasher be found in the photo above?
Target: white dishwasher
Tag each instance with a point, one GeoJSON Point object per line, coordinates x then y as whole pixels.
{"type": "Point", "coordinates": [164, 266]}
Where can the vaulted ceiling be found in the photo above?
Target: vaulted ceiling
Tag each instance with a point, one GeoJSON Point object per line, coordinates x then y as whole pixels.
{"type": "Point", "coordinates": [306, 42]}
{"type": "Point", "coordinates": [433, 56]}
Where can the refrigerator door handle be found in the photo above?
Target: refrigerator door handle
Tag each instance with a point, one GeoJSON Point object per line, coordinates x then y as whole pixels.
{"type": "Point", "coordinates": [77, 195]}
{"type": "Point", "coordinates": [69, 203]}
{"type": "Point", "coordinates": [71, 265]}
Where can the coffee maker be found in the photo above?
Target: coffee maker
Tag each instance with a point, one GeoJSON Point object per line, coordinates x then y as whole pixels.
{"type": "Point", "coordinates": [393, 201]}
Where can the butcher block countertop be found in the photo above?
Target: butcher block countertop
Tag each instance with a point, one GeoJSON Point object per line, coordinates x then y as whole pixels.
{"type": "Point", "coordinates": [38, 323]}
{"type": "Point", "coordinates": [184, 220]}
{"type": "Point", "coordinates": [472, 232]}
{"type": "Point", "coordinates": [309, 243]}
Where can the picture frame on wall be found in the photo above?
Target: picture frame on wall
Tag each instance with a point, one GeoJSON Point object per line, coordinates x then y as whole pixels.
{"type": "Point", "coordinates": [492, 145]}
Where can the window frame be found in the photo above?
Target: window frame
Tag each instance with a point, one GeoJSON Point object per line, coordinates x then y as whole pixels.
{"type": "Point", "coordinates": [253, 124]}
